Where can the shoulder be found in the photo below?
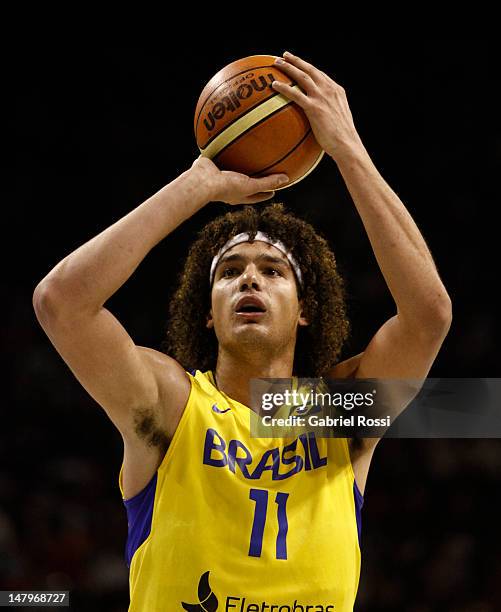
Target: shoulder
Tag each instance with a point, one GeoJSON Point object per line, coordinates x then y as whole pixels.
{"type": "Point", "coordinates": [167, 369]}
{"type": "Point", "coordinates": [348, 368]}
{"type": "Point", "coordinates": [174, 385]}
{"type": "Point", "coordinates": [345, 369]}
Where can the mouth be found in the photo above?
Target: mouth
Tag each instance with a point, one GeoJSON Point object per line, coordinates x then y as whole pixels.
{"type": "Point", "coordinates": [250, 307]}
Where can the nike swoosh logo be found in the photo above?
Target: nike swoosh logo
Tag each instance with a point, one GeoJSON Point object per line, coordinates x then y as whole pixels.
{"type": "Point", "coordinates": [218, 410]}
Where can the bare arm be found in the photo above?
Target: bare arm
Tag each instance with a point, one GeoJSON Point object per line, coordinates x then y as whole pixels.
{"type": "Point", "coordinates": [407, 344]}
{"type": "Point", "coordinates": [69, 302]}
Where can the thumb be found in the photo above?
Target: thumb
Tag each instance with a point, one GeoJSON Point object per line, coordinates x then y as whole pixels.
{"type": "Point", "coordinates": [267, 183]}
{"type": "Point", "coordinates": [258, 197]}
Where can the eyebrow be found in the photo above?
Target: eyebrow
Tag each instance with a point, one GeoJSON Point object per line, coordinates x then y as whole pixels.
{"type": "Point", "coordinates": [263, 257]}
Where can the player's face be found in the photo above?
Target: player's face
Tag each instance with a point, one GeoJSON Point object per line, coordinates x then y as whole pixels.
{"type": "Point", "coordinates": [254, 297]}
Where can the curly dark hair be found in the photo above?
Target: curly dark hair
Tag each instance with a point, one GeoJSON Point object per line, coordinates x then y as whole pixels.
{"type": "Point", "coordinates": [318, 345]}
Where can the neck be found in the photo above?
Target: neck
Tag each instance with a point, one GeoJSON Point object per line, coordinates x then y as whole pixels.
{"type": "Point", "coordinates": [233, 372]}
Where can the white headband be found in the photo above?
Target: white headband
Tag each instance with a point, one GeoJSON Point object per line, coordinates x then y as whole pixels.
{"type": "Point", "coordinates": [260, 237]}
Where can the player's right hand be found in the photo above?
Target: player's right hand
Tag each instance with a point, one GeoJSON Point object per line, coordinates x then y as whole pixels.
{"type": "Point", "coordinates": [233, 187]}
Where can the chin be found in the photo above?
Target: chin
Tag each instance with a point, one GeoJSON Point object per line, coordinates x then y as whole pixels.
{"type": "Point", "coordinates": [251, 334]}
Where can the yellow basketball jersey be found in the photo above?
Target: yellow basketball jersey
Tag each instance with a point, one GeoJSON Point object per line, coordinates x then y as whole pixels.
{"type": "Point", "coordinates": [231, 522]}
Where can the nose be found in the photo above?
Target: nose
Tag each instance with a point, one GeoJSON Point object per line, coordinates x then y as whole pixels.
{"type": "Point", "coordinates": [249, 279]}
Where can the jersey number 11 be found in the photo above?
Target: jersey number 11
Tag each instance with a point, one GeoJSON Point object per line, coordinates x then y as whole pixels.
{"type": "Point", "coordinates": [260, 497]}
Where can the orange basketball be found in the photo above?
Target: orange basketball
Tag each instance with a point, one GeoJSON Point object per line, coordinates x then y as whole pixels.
{"type": "Point", "coordinates": [244, 125]}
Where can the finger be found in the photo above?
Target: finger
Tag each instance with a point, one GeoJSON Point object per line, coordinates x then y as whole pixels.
{"type": "Point", "coordinates": [316, 75]}
{"type": "Point", "coordinates": [296, 74]}
{"type": "Point", "coordinates": [293, 92]}
{"type": "Point", "coordinates": [307, 68]}
{"type": "Point", "coordinates": [267, 183]}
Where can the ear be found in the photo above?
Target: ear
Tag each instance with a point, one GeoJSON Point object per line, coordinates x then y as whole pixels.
{"type": "Point", "coordinates": [303, 321]}
{"type": "Point", "coordinates": [210, 321]}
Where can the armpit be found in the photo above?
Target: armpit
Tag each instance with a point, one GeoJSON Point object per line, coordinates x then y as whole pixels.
{"type": "Point", "coordinates": [147, 428]}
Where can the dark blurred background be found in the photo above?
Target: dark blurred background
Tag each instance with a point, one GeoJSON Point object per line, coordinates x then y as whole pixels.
{"type": "Point", "coordinates": [93, 134]}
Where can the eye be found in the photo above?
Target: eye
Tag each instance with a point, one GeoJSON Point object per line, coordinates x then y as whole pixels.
{"type": "Point", "coordinates": [272, 272]}
{"type": "Point", "coordinates": [229, 272]}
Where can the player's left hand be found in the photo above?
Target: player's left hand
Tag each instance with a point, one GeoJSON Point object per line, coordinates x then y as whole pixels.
{"type": "Point", "coordinates": [324, 103]}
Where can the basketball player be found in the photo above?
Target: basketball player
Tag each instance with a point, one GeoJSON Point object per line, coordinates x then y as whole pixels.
{"type": "Point", "coordinates": [219, 520]}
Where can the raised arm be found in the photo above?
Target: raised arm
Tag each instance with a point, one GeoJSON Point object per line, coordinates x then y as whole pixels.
{"type": "Point", "coordinates": [141, 389]}
{"type": "Point", "coordinates": [406, 345]}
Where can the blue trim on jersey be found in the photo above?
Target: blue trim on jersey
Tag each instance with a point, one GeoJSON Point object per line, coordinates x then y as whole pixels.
{"type": "Point", "coordinates": [139, 513]}
{"type": "Point", "coordinates": [359, 502]}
